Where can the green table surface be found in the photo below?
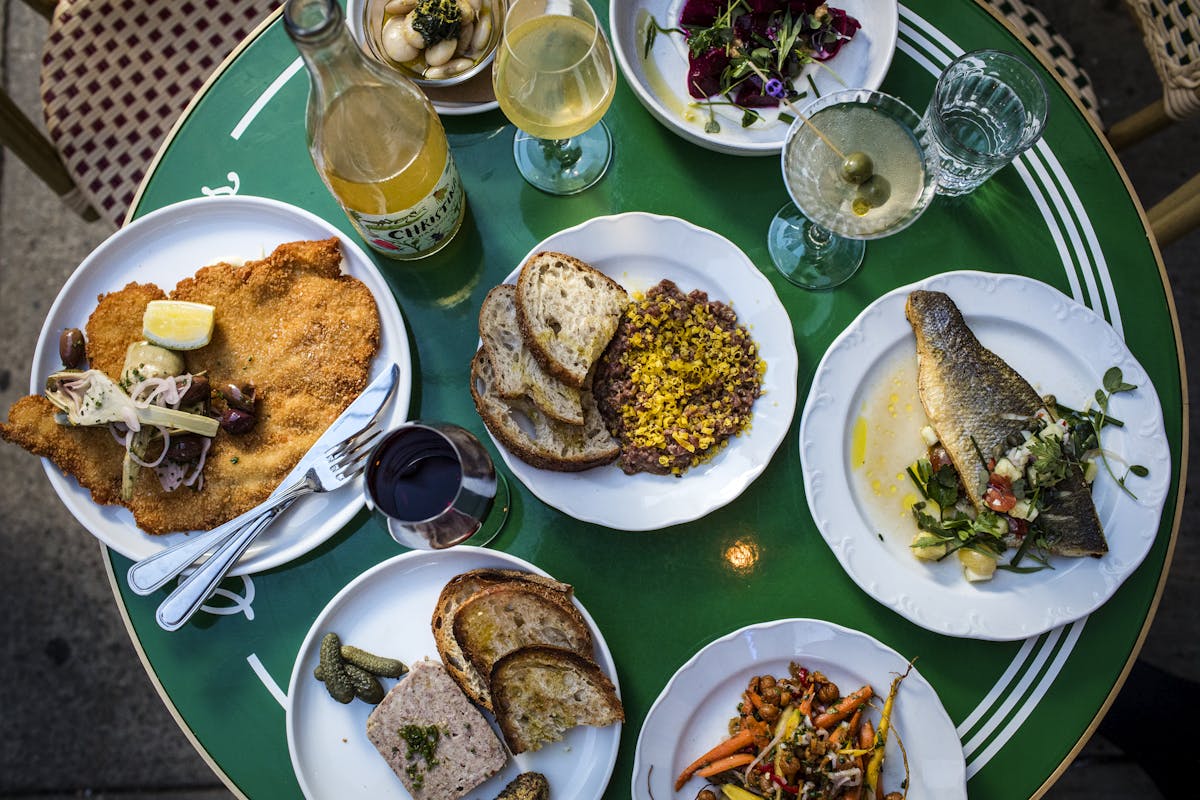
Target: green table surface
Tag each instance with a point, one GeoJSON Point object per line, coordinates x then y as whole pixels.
{"type": "Point", "coordinates": [658, 597]}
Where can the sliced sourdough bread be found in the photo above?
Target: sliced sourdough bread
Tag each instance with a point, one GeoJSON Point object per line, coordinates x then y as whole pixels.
{"type": "Point", "coordinates": [467, 751]}
{"type": "Point", "coordinates": [517, 371]}
{"type": "Point", "coordinates": [568, 311]}
{"type": "Point", "coordinates": [498, 619]}
{"type": "Point", "coordinates": [534, 437]}
{"type": "Point", "coordinates": [456, 592]}
{"type": "Point", "coordinates": [540, 692]}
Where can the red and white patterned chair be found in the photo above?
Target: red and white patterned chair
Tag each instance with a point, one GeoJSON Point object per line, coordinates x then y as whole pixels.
{"type": "Point", "coordinates": [116, 74]}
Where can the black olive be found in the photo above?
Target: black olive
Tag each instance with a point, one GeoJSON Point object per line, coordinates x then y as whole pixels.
{"type": "Point", "coordinates": [71, 347]}
{"type": "Point", "coordinates": [185, 447]}
{"type": "Point", "coordinates": [198, 392]}
{"type": "Point", "coordinates": [239, 397]}
{"type": "Point", "coordinates": [237, 421]}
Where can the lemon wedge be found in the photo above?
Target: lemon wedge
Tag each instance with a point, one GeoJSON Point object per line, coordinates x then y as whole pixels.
{"type": "Point", "coordinates": [177, 324]}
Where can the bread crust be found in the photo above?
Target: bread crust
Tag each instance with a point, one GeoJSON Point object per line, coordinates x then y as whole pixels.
{"type": "Point", "coordinates": [503, 617]}
{"type": "Point", "coordinates": [507, 682]}
{"type": "Point", "coordinates": [456, 592]}
{"type": "Point", "coordinates": [497, 414]}
{"type": "Point", "coordinates": [536, 332]}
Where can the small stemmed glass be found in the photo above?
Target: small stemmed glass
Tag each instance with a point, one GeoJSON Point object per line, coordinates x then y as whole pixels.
{"type": "Point", "coordinates": [433, 485]}
{"type": "Point", "coordinates": [858, 164]}
{"type": "Point", "coordinates": [554, 77]}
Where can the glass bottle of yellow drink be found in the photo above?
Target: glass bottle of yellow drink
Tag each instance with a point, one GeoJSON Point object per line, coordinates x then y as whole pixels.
{"type": "Point", "coordinates": [375, 139]}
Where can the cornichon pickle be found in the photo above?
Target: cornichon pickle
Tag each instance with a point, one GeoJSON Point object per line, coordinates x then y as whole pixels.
{"type": "Point", "coordinates": [376, 665]}
{"type": "Point", "coordinates": [366, 685]}
{"type": "Point", "coordinates": [337, 682]}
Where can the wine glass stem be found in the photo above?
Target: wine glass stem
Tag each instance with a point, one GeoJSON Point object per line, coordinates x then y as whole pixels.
{"type": "Point", "coordinates": [564, 152]}
{"type": "Point", "coordinates": [819, 237]}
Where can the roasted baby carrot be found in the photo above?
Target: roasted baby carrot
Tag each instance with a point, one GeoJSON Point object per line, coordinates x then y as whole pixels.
{"type": "Point", "coordinates": [722, 764]}
{"type": "Point", "coordinates": [844, 707]}
{"type": "Point", "coordinates": [739, 741]}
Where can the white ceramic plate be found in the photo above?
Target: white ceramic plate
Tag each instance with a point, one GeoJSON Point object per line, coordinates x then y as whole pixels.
{"type": "Point", "coordinates": [1061, 348]}
{"type": "Point", "coordinates": [638, 250]}
{"type": "Point", "coordinates": [162, 248]}
{"type": "Point", "coordinates": [387, 610]}
{"type": "Point", "coordinates": [660, 81]}
{"type": "Point", "coordinates": [693, 712]}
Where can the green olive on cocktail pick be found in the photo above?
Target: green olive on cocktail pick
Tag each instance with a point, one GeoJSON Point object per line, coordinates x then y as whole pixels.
{"type": "Point", "coordinates": [872, 193]}
{"type": "Point", "coordinates": [857, 167]}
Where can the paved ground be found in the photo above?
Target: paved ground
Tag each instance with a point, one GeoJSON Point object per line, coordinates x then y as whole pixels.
{"type": "Point", "coordinates": [79, 713]}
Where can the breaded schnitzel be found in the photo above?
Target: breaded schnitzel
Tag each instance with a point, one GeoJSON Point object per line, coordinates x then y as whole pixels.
{"type": "Point", "coordinates": [290, 324]}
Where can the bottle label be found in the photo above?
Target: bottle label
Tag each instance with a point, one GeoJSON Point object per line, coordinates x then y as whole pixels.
{"type": "Point", "coordinates": [420, 229]}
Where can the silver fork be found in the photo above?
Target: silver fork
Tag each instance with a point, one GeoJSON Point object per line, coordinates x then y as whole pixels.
{"type": "Point", "coordinates": [342, 462]}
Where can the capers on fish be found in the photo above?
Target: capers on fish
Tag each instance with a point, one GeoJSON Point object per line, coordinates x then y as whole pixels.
{"type": "Point", "coordinates": [71, 347]}
{"type": "Point", "coordinates": [237, 421]}
{"type": "Point", "coordinates": [857, 167]}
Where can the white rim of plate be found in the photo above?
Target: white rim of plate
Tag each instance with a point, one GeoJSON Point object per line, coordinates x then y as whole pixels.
{"type": "Point", "coordinates": [1034, 603]}
{"type": "Point", "coordinates": [627, 44]}
{"type": "Point", "coordinates": [575, 494]}
{"type": "Point", "coordinates": [267, 552]}
{"type": "Point", "coordinates": [476, 557]}
{"type": "Point", "coordinates": [739, 652]}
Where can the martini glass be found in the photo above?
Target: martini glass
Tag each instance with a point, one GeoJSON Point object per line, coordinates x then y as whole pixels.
{"type": "Point", "coordinates": [554, 77]}
{"type": "Point", "coordinates": [858, 165]}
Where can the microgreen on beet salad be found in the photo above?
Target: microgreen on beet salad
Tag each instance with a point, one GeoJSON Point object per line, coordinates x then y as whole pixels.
{"type": "Point", "coordinates": [749, 53]}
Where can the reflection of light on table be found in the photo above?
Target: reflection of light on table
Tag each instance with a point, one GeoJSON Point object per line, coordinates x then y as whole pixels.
{"type": "Point", "coordinates": [742, 555]}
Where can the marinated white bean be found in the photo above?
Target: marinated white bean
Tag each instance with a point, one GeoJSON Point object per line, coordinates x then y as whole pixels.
{"type": "Point", "coordinates": [449, 39]}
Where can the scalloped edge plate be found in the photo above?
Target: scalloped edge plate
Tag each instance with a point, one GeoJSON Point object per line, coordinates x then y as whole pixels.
{"type": "Point", "coordinates": [170, 244]}
{"type": "Point", "coordinates": [637, 250]}
{"type": "Point", "coordinates": [693, 711]}
{"type": "Point", "coordinates": [387, 610]}
{"type": "Point", "coordinates": [1060, 347]}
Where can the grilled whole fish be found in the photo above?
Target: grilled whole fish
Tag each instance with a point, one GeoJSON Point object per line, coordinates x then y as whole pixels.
{"type": "Point", "coordinates": [975, 401]}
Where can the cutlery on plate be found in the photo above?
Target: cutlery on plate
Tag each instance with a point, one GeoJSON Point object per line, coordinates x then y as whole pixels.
{"type": "Point", "coordinates": [335, 458]}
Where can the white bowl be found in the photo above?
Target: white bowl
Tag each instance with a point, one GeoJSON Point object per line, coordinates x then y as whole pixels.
{"type": "Point", "coordinates": [659, 80]}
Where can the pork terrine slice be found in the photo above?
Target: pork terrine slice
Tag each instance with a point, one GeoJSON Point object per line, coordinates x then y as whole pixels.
{"type": "Point", "coordinates": [436, 742]}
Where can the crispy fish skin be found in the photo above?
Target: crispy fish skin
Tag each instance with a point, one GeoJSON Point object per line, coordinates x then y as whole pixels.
{"type": "Point", "coordinates": [291, 324]}
{"type": "Point", "coordinates": [975, 401]}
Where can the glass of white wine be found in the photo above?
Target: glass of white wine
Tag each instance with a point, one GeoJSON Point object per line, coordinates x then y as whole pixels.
{"type": "Point", "coordinates": [554, 77]}
{"type": "Point", "coordinates": [858, 165]}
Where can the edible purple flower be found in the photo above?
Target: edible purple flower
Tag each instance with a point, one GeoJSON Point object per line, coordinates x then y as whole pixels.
{"type": "Point", "coordinates": [751, 95]}
{"type": "Point", "coordinates": [774, 87]}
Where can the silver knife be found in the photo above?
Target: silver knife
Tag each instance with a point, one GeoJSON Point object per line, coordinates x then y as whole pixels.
{"type": "Point", "coordinates": [154, 571]}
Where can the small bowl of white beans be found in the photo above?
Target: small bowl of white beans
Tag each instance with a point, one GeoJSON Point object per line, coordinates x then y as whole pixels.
{"type": "Point", "coordinates": [433, 42]}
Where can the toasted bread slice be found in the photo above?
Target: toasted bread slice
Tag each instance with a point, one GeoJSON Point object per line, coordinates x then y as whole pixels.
{"type": "Point", "coordinates": [568, 311]}
{"type": "Point", "coordinates": [498, 619]}
{"type": "Point", "coordinates": [534, 437]}
{"type": "Point", "coordinates": [456, 592]}
{"type": "Point", "coordinates": [541, 692]}
{"type": "Point", "coordinates": [518, 373]}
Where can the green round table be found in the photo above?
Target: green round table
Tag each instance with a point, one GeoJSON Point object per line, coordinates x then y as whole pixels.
{"type": "Point", "coordinates": [1065, 214]}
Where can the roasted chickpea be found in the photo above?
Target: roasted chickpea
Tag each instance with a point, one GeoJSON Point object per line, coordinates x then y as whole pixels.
{"type": "Point", "coordinates": [706, 794]}
{"type": "Point", "coordinates": [769, 712]}
{"type": "Point", "coordinates": [770, 694]}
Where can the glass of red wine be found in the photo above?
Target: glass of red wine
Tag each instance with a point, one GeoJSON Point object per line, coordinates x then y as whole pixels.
{"type": "Point", "coordinates": [434, 486]}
